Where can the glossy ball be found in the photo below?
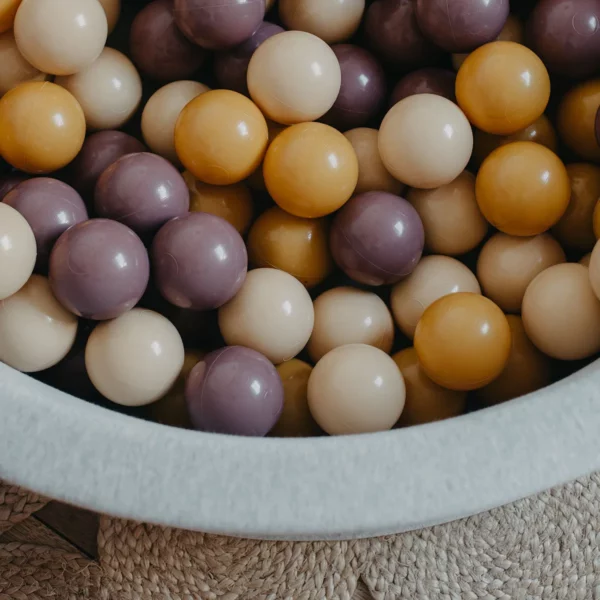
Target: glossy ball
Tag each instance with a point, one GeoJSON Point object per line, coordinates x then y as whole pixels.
{"type": "Point", "coordinates": [199, 261]}
{"type": "Point", "coordinates": [356, 389]}
{"type": "Point", "coordinates": [451, 217]}
{"type": "Point", "coordinates": [508, 264]}
{"type": "Point", "coordinates": [256, 181]}
{"type": "Point", "coordinates": [502, 87]}
{"type": "Point", "coordinates": [10, 181]}
{"type": "Point", "coordinates": [426, 401]}
{"type": "Point", "coordinates": [99, 269]}
{"type": "Point", "coordinates": [292, 244]}
{"type": "Point", "coordinates": [8, 10]}
{"type": "Point", "coordinates": [236, 391]}
{"type": "Point", "coordinates": [561, 313]}
{"type": "Point", "coordinates": [219, 25]}
{"type": "Point", "coordinates": [36, 332]}
{"type": "Point", "coordinates": [230, 202]}
{"type": "Point", "coordinates": [17, 251]}
{"type": "Point", "coordinates": [594, 270]}
{"type": "Point", "coordinates": [425, 141]}
{"type": "Point", "coordinates": [363, 88]}
{"type": "Point", "coordinates": [99, 151]}
{"type": "Point", "coordinates": [294, 77]}
{"type": "Point", "coordinates": [434, 278]}
{"type": "Point", "coordinates": [221, 137]}
{"type": "Point", "coordinates": [50, 207]}
{"type": "Point", "coordinates": [295, 419]}
{"type": "Point", "coordinates": [346, 315]}
{"type": "Point", "coordinates": [432, 80]}
{"type": "Point", "coordinates": [42, 127]}
{"type": "Point", "coordinates": [112, 9]}
{"type": "Point", "coordinates": [272, 314]}
{"type": "Point", "coordinates": [372, 174]}
{"type": "Point", "coordinates": [231, 68]}
{"type": "Point", "coordinates": [526, 371]}
{"type": "Point", "coordinates": [135, 359]}
{"type": "Point", "coordinates": [14, 69]}
{"type": "Point", "coordinates": [158, 47]}
{"type": "Point", "coordinates": [523, 188]}
{"type": "Point", "coordinates": [310, 170]}
{"type": "Point", "coordinates": [565, 34]}
{"type": "Point", "coordinates": [161, 112]}
{"type": "Point", "coordinates": [61, 37]}
{"type": "Point", "coordinates": [463, 341]}
{"type": "Point", "coordinates": [377, 238]}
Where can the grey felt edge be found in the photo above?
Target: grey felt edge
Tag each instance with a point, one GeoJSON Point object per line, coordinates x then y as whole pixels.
{"type": "Point", "coordinates": [326, 488]}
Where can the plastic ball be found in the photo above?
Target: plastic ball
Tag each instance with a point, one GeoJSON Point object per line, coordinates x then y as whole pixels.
{"type": "Point", "coordinates": [14, 69]}
{"type": "Point", "coordinates": [10, 181]}
{"type": "Point", "coordinates": [431, 80]}
{"type": "Point", "coordinates": [594, 269]}
{"type": "Point", "coordinates": [135, 359]}
{"type": "Point", "coordinates": [99, 269]}
{"type": "Point", "coordinates": [112, 9]}
{"type": "Point", "coordinates": [236, 391]}
{"type": "Point", "coordinates": [585, 261]}
{"type": "Point", "coordinates": [8, 11]}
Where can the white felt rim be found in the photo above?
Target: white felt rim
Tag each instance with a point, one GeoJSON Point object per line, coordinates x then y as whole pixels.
{"type": "Point", "coordinates": [325, 488]}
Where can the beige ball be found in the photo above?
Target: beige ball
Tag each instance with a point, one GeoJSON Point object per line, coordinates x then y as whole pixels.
{"type": "Point", "coordinates": [18, 251]}
{"type": "Point", "coordinates": [14, 69]}
{"type": "Point", "coordinates": [508, 264]}
{"type": "Point", "coordinates": [425, 141]}
{"type": "Point", "coordinates": [451, 217]}
{"type": "Point", "coordinates": [109, 90]}
{"type": "Point", "coordinates": [346, 315]}
{"type": "Point", "coordinates": [294, 77]}
{"type": "Point", "coordinates": [333, 21]}
{"type": "Point", "coordinates": [135, 359]}
{"type": "Point", "coordinates": [434, 277]}
{"type": "Point", "coordinates": [161, 113]}
{"type": "Point", "coordinates": [272, 314]}
{"type": "Point", "coordinates": [356, 389]}
{"type": "Point", "coordinates": [36, 332]}
{"type": "Point", "coordinates": [372, 174]}
{"type": "Point", "coordinates": [112, 9]}
{"type": "Point", "coordinates": [61, 37]}
{"type": "Point", "coordinates": [561, 313]}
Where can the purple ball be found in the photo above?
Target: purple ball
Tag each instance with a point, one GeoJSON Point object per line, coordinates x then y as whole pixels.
{"type": "Point", "coordinates": [235, 391]}
{"type": "Point", "coordinates": [10, 181]}
{"type": "Point", "coordinates": [231, 68]}
{"type": "Point", "coordinates": [99, 151]}
{"type": "Point", "coordinates": [441, 82]}
{"type": "Point", "coordinates": [565, 34]}
{"type": "Point", "coordinates": [157, 46]}
{"type": "Point", "coordinates": [50, 207]}
{"type": "Point", "coordinates": [392, 32]}
{"type": "Point", "coordinates": [377, 238]}
{"type": "Point", "coordinates": [99, 269]}
{"type": "Point", "coordinates": [142, 191]}
{"type": "Point", "coordinates": [219, 24]}
{"type": "Point", "coordinates": [199, 260]}
{"type": "Point", "coordinates": [462, 25]}
{"type": "Point", "coordinates": [363, 88]}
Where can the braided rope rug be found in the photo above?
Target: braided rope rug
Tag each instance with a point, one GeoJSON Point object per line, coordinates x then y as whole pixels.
{"type": "Point", "coordinates": [546, 547]}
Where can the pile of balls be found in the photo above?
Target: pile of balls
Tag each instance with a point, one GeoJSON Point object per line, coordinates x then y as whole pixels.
{"type": "Point", "coordinates": [230, 216]}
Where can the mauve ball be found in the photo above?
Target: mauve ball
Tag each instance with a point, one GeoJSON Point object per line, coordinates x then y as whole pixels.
{"type": "Point", "coordinates": [461, 25]}
{"type": "Point", "coordinates": [10, 181]}
{"type": "Point", "coordinates": [231, 68]}
{"type": "Point", "coordinates": [363, 88]}
{"type": "Point", "coordinates": [392, 32]}
{"type": "Point", "coordinates": [219, 24]}
{"type": "Point", "coordinates": [143, 191]}
{"type": "Point", "coordinates": [199, 260]}
{"type": "Point", "coordinates": [99, 151]}
{"type": "Point", "coordinates": [50, 207]}
{"type": "Point", "coordinates": [234, 390]}
{"type": "Point", "coordinates": [565, 34]}
{"type": "Point", "coordinates": [158, 47]}
{"type": "Point", "coordinates": [99, 269]}
{"type": "Point", "coordinates": [377, 238]}
{"type": "Point", "coordinates": [431, 80]}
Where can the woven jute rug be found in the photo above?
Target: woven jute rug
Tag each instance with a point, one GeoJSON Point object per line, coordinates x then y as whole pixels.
{"type": "Point", "coordinates": [546, 547]}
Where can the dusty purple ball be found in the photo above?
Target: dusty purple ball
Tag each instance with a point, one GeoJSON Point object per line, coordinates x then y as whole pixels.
{"type": "Point", "coordinates": [441, 82]}
{"type": "Point", "coordinates": [231, 68]}
{"type": "Point", "coordinates": [377, 238]}
{"type": "Point", "coordinates": [219, 24]}
{"type": "Point", "coordinates": [10, 181]}
{"type": "Point", "coordinates": [199, 260]}
{"type": "Point", "coordinates": [235, 391]}
{"type": "Point", "coordinates": [50, 207]}
{"type": "Point", "coordinates": [99, 269]}
{"type": "Point", "coordinates": [143, 191]}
